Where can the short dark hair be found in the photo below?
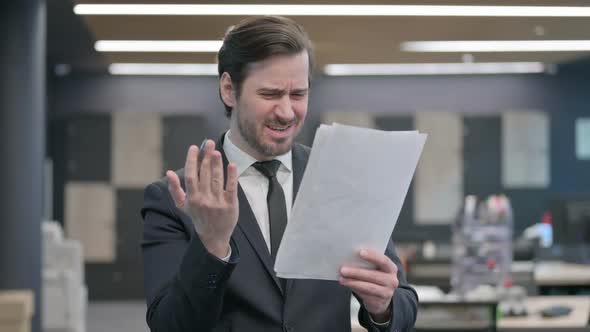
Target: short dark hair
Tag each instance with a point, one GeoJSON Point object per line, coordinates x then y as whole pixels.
{"type": "Point", "coordinates": [258, 38]}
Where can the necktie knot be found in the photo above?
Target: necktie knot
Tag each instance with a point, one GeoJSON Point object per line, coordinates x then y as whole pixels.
{"type": "Point", "coordinates": [268, 168]}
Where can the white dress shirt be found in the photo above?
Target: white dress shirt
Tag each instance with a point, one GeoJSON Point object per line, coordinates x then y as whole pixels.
{"type": "Point", "coordinates": [255, 184]}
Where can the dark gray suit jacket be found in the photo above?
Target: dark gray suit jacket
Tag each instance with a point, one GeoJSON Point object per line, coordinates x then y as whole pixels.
{"type": "Point", "coordinates": [188, 289]}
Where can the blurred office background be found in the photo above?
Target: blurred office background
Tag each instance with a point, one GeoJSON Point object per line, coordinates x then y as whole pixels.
{"type": "Point", "coordinates": [93, 136]}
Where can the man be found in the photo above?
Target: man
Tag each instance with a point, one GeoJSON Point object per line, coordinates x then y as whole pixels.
{"type": "Point", "coordinates": [212, 229]}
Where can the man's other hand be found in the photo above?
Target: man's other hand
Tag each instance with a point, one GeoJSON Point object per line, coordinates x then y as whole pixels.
{"type": "Point", "coordinates": [374, 287]}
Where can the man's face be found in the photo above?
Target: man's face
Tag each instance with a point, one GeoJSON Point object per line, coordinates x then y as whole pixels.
{"type": "Point", "coordinates": [271, 108]}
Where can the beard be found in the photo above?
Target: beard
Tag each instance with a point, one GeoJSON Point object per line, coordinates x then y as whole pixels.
{"type": "Point", "coordinates": [248, 130]}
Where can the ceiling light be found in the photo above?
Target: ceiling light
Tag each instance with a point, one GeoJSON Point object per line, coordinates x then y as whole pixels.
{"type": "Point", "coordinates": [497, 46]}
{"type": "Point", "coordinates": [158, 45]}
{"type": "Point", "coordinates": [433, 68]}
{"type": "Point", "coordinates": [182, 69]}
{"type": "Point", "coordinates": [331, 10]}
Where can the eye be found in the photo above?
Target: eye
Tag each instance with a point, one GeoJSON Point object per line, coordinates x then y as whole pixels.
{"type": "Point", "coordinates": [268, 95]}
{"type": "Point", "coordinates": [298, 94]}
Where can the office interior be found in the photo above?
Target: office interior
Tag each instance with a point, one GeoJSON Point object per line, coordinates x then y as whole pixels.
{"type": "Point", "coordinates": [80, 142]}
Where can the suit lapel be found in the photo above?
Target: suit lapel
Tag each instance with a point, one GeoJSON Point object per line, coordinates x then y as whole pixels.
{"type": "Point", "coordinates": [248, 225]}
{"type": "Point", "coordinates": [300, 157]}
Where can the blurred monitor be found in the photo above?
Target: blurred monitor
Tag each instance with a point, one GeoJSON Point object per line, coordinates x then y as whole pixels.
{"type": "Point", "coordinates": [571, 221]}
{"type": "Point", "coordinates": [571, 229]}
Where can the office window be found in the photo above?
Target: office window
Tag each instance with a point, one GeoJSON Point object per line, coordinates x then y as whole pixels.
{"type": "Point", "coordinates": [357, 119]}
{"type": "Point", "coordinates": [583, 138]}
{"type": "Point", "coordinates": [136, 148]}
{"type": "Point", "coordinates": [525, 149]}
{"type": "Point", "coordinates": [438, 181]}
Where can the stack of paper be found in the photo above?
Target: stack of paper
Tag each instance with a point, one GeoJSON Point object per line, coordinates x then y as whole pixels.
{"type": "Point", "coordinates": [350, 198]}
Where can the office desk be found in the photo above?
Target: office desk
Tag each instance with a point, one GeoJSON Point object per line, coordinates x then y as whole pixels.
{"type": "Point", "coordinates": [452, 316]}
{"type": "Point", "coordinates": [562, 278]}
{"type": "Point", "coordinates": [438, 273]}
{"type": "Point", "coordinates": [561, 274]}
{"type": "Point", "coordinates": [577, 320]}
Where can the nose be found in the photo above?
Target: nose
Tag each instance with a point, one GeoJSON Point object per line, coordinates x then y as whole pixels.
{"type": "Point", "coordinates": [284, 109]}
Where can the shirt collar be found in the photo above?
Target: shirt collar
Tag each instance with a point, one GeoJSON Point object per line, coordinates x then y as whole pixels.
{"type": "Point", "coordinates": [243, 160]}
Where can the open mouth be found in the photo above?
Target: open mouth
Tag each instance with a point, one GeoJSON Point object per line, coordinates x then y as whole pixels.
{"type": "Point", "coordinates": [279, 128]}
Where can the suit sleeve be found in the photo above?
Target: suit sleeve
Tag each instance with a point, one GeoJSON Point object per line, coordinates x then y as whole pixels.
{"type": "Point", "coordinates": [184, 283]}
{"type": "Point", "coordinates": [404, 306]}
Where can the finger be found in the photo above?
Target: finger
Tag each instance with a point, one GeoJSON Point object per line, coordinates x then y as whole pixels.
{"type": "Point", "coordinates": [231, 187]}
{"type": "Point", "coordinates": [372, 276]}
{"type": "Point", "coordinates": [175, 189]}
{"type": "Point", "coordinates": [205, 170]}
{"type": "Point", "coordinates": [366, 288]}
{"type": "Point", "coordinates": [190, 170]}
{"type": "Point", "coordinates": [380, 260]}
{"type": "Point", "coordinates": [216, 174]}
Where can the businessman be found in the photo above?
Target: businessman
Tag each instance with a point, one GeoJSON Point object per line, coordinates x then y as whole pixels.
{"type": "Point", "coordinates": [212, 229]}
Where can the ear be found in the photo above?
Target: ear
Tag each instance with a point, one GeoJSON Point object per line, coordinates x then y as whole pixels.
{"type": "Point", "coordinates": [226, 89]}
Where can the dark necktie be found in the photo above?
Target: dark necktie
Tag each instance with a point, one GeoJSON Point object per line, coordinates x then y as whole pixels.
{"type": "Point", "coordinates": [277, 210]}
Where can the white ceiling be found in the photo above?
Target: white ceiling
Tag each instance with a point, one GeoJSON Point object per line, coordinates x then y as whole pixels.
{"type": "Point", "coordinates": [355, 39]}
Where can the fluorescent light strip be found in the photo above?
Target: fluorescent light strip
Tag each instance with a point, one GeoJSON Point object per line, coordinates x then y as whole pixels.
{"type": "Point", "coordinates": [158, 45]}
{"type": "Point", "coordinates": [331, 10]}
{"type": "Point", "coordinates": [433, 68]}
{"type": "Point", "coordinates": [497, 46]}
{"type": "Point", "coordinates": [180, 69]}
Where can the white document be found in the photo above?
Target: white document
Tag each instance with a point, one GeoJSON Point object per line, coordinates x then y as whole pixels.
{"type": "Point", "coordinates": [350, 197]}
